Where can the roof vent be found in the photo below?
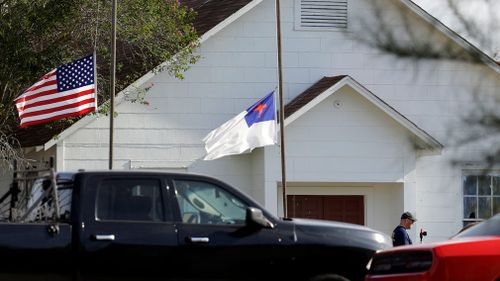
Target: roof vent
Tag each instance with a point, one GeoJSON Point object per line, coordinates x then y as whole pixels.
{"type": "Point", "coordinates": [321, 14]}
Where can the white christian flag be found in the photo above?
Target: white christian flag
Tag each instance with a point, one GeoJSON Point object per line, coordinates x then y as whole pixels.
{"type": "Point", "coordinates": [252, 128]}
{"type": "Point", "coordinates": [69, 90]}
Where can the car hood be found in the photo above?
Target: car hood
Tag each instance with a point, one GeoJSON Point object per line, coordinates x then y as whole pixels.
{"type": "Point", "coordinates": [340, 234]}
{"type": "Point", "coordinates": [453, 246]}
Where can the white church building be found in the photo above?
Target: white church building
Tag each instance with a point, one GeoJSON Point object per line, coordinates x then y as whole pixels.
{"type": "Point", "coordinates": [368, 135]}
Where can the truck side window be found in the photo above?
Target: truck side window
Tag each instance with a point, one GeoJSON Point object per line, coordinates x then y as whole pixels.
{"type": "Point", "coordinates": [206, 203]}
{"type": "Point", "coordinates": [129, 199]}
{"type": "Point", "coordinates": [43, 207]}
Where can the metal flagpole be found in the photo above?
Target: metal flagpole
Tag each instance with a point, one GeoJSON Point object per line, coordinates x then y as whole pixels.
{"type": "Point", "coordinates": [112, 91]}
{"type": "Point", "coordinates": [282, 108]}
{"type": "Point", "coordinates": [95, 77]}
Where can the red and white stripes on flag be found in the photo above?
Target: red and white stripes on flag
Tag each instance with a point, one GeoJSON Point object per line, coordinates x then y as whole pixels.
{"type": "Point", "coordinates": [69, 90]}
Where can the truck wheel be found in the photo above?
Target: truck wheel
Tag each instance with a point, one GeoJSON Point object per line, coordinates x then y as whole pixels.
{"type": "Point", "coordinates": [329, 277]}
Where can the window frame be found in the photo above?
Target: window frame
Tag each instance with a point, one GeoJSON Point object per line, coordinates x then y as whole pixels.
{"type": "Point", "coordinates": [490, 176]}
{"type": "Point", "coordinates": [163, 194]}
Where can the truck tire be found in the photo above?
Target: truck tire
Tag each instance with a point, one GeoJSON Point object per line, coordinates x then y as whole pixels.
{"type": "Point", "coordinates": [329, 277]}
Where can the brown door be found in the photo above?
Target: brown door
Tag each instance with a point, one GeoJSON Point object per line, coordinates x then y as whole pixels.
{"type": "Point", "coordinates": [344, 208]}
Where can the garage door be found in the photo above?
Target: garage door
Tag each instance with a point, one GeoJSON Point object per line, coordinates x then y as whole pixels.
{"type": "Point", "coordinates": [344, 208]}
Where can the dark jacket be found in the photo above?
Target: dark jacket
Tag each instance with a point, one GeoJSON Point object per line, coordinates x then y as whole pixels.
{"type": "Point", "coordinates": [400, 236]}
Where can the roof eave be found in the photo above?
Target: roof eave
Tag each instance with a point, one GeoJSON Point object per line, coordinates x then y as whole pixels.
{"type": "Point", "coordinates": [425, 140]}
{"type": "Point", "coordinates": [461, 41]}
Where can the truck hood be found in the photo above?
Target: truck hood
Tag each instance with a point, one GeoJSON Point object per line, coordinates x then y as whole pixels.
{"type": "Point", "coordinates": [340, 234]}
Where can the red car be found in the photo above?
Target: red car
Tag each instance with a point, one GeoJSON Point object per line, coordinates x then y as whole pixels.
{"type": "Point", "coordinates": [472, 255]}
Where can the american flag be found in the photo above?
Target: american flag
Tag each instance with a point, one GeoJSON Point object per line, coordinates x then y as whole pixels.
{"type": "Point", "coordinates": [68, 90]}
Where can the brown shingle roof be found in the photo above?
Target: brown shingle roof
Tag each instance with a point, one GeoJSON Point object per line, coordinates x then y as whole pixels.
{"type": "Point", "coordinates": [311, 93]}
{"type": "Point", "coordinates": [39, 134]}
{"type": "Point", "coordinates": [212, 12]}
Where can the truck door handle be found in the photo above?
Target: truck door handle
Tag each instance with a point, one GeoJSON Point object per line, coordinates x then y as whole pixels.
{"type": "Point", "coordinates": [198, 239]}
{"type": "Point", "coordinates": [103, 237]}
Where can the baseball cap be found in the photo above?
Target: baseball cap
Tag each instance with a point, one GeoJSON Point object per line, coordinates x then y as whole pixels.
{"type": "Point", "coordinates": [408, 215]}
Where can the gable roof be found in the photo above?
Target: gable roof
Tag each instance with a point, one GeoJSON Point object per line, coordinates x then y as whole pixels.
{"type": "Point", "coordinates": [214, 15]}
{"type": "Point", "coordinates": [308, 95]}
{"type": "Point", "coordinates": [450, 33]}
{"type": "Point", "coordinates": [328, 86]}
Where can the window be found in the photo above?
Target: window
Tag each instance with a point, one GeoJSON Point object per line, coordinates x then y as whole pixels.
{"type": "Point", "coordinates": [320, 14]}
{"type": "Point", "coordinates": [41, 204]}
{"type": "Point", "coordinates": [205, 203]}
{"type": "Point", "coordinates": [481, 197]}
{"type": "Point", "coordinates": [129, 199]}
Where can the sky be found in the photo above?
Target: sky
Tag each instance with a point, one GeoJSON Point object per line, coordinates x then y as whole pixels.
{"type": "Point", "coordinates": [485, 13]}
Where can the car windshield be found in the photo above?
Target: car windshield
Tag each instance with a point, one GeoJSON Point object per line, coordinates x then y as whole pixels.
{"type": "Point", "coordinates": [486, 228]}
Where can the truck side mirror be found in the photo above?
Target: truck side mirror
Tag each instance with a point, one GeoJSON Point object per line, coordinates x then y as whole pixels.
{"type": "Point", "coordinates": [254, 216]}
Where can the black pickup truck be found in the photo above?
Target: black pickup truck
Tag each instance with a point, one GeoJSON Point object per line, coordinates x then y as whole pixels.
{"type": "Point", "coordinates": [167, 226]}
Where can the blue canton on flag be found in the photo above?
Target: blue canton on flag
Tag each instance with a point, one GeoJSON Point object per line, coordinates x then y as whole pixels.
{"type": "Point", "coordinates": [261, 111]}
{"type": "Point", "coordinates": [252, 128]}
{"type": "Point", "coordinates": [75, 74]}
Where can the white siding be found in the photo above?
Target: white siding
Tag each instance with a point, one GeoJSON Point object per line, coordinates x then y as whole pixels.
{"type": "Point", "coordinates": [354, 142]}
